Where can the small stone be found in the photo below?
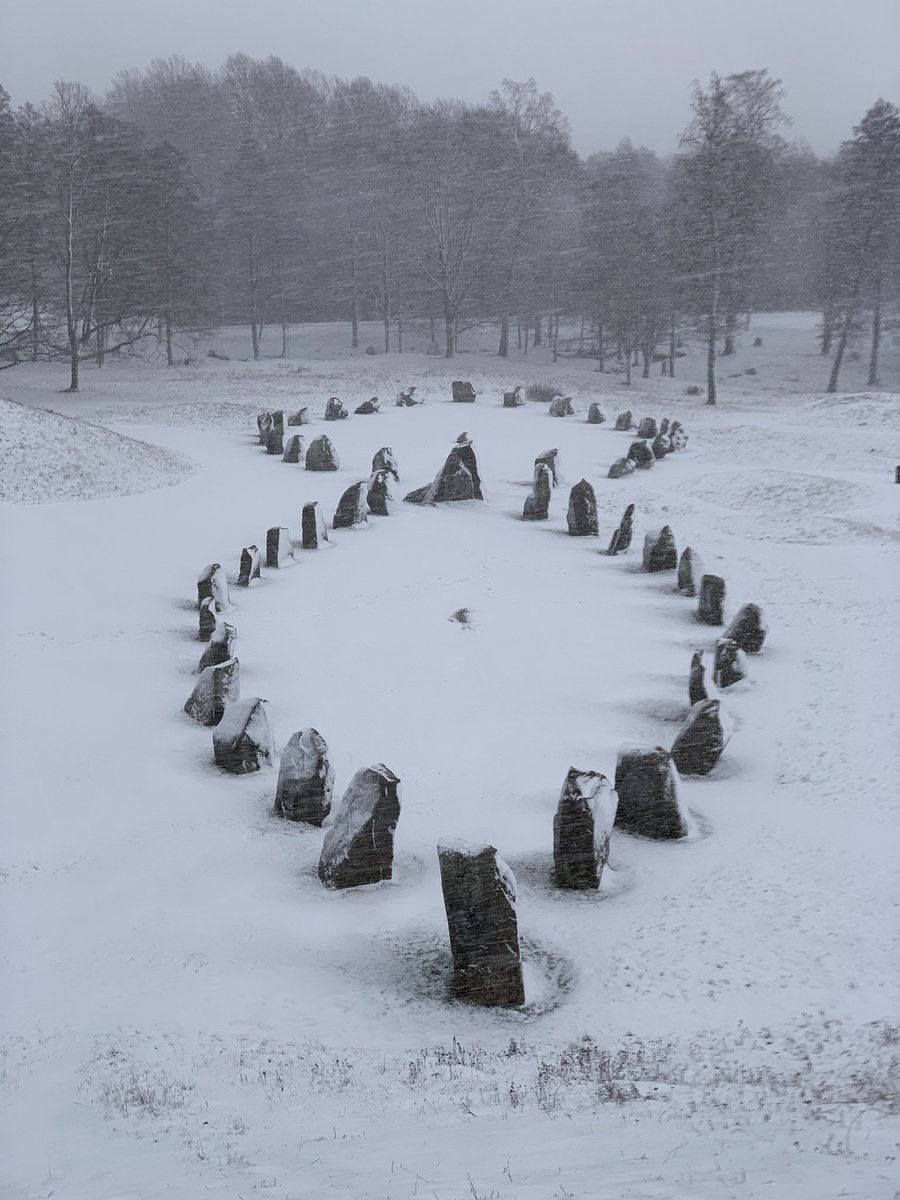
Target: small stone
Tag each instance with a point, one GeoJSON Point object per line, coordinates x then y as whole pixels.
{"type": "Point", "coordinates": [660, 552]}
{"type": "Point", "coordinates": [359, 844]}
{"type": "Point", "coordinates": [242, 741]}
{"type": "Point", "coordinates": [582, 512]}
{"type": "Point", "coordinates": [620, 468]}
{"type": "Point", "coordinates": [730, 663]}
{"type": "Point", "coordinates": [368, 407]}
{"type": "Point", "coordinates": [278, 547]}
{"type": "Point", "coordinates": [218, 686]}
{"type": "Point", "coordinates": [378, 494]}
{"type": "Point", "coordinates": [208, 617]}
{"type": "Point", "coordinates": [660, 446]}
{"type": "Point", "coordinates": [249, 566]}
{"type": "Point", "coordinates": [305, 779]}
{"type": "Point", "coordinates": [748, 629]}
{"type": "Point", "coordinates": [264, 423]}
{"type": "Point", "coordinates": [293, 451]}
{"type": "Point", "coordinates": [621, 539]}
{"type": "Point", "coordinates": [693, 389]}
{"type": "Point", "coordinates": [313, 530]}
{"type": "Point", "coordinates": [581, 829]}
{"type": "Point", "coordinates": [385, 460]}
{"type": "Point", "coordinates": [352, 510]}
{"type": "Point", "coordinates": [700, 685]}
{"type": "Point", "coordinates": [678, 439]}
{"type": "Point", "coordinates": [418, 495]}
{"type": "Point", "coordinates": [711, 606]}
{"type": "Point", "coordinates": [407, 398]}
{"type": "Point", "coordinates": [220, 647]}
{"type": "Point", "coordinates": [480, 901]}
{"type": "Point", "coordinates": [275, 442]}
{"type": "Point", "coordinates": [212, 582]}
{"type": "Point", "coordinates": [647, 428]}
{"type": "Point", "coordinates": [647, 785]}
{"type": "Point", "coordinates": [690, 569]}
{"type": "Point", "coordinates": [625, 422]}
{"type": "Point", "coordinates": [335, 411]}
{"type": "Point", "coordinates": [515, 398]}
{"type": "Point", "coordinates": [702, 738]}
{"type": "Point", "coordinates": [300, 417]}
{"type": "Point", "coordinates": [664, 426]}
{"type": "Point", "coordinates": [537, 505]}
{"type": "Point", "coordinates": [595, 416]}
{"type": "Point", "coordinates": [551, 458]}
{"type": "Point", "coordinates": [561, 406]}
{"type": "Point", "coordinates": [463, 392]}
{"type": "Point", "coordinates": [641, 455]}
{"type": "Point", "coordinates": [321, 455]}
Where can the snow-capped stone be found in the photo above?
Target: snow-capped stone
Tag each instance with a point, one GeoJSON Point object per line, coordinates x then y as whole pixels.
{"type": "Point", "coordinates": [293, 451]}
{"type": "Point", "coordinates": [582, 513]}
{"type": "Point", "coordinates": [700, 684]}
{"type": "Point", "coordinates": [278, 546]}
{"type": "Point", "coordinates": [625, 422]}
{"type": "Point", "coordinates": [300, 417]}
{"type": "Point", "coordinates": [730, 663]}
{"type": "Point", "coordinates": [217, 687]}
{"type": "Point", "coordinates": [305, 779]}
{"type": "Point", "coordinates": [537, 504]}
{"type": "Point", "coordinates": [275, 442]}
{"type": "Point", "coordinates": [352, 510]}
{"type": "Point", "coordinates": [660, 551]}
{"type": "Point", "coordinates": [748, 628]}
{"type": "Point", "coordinates": [641, 455]}
{"type": "Point", "coordinates": [368, 407]}
{"type": "Point", "coordinates": [385, 460]}
{"type": "Point", "coordinates": [407, 398]}
{"type": "Point", "coordinates": [212, 582]}
{"type": "Point", "coordinates": [711, 604]}
{"type": "Point", "coordinates": [561, 406]}
{"type": "Point", "coordinates": [621, 539]}
{"type": "Point", "coordinates": [249, 569]}
{"type": "Point", "coordinates": [264, 424]}
{"type": "Point", "coordinates": [647, 785]}
{"type": "Point", "coordinates": [515, 398]}
{"type": "Point", "coordinates": [660, 446]}
{"type": "Point", "coordinates": [208, 616]}
{"type": "Point", "coordinates": [221, 645]}
{"type": "Point", "coordinates": [359, 843]}
{"type": "Point", "coordinates": [463, 392]}
{"type": "Point", "coordinates": [551, 459]}
{"type": "Point", "coordinates": [335, 410]}
{"type": "Point", "coordinates": [313, 531]}
{"type": "Point", "coordinates": [647, 428]}
{"type": "Point", "coordinates": [702, 738]}
{"type": "Point", "coordinates": [595, 416]}
{"type": "Point", "coordinates": [690, 570]}
{"type": "Point", "coordinates": [321, 455]}
{"type": "Point", "coordinates": [278, 420]}
{"type": "Point", "coordinates": [242, 741]}
{"type": "Point", "coordinates": [378, 494]}
{"type": "Point", "coordinates": [582, 827]}
{"type": "Point", "coordinates": [621, 467]}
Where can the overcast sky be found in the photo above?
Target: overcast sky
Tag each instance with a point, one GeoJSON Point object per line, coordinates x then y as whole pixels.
{"type": "Point", "coordinates": [616, 69]}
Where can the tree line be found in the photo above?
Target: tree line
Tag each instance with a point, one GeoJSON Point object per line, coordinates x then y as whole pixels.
{"type": "Point", "coordinates": [264, 196]}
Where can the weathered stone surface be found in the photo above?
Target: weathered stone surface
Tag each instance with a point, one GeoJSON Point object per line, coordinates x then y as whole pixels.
{"type": "Point", "coordinates": [581, 829]}
{"type": "Point", "coordinates": [242, 741]}
{"type": "Point", "coordinates": [218, 686]}
{"type": "Point", "coordinates": [321, 455]}
{"type": "Point", "coordinates": [702, 738]}
{"type": "Point", "coordinates": [220, 646]}
{"type": "Point", "coordinates": [647, 428]}
{"type": "Point", "coordinates": [208, 617]}
{"type": "Point", "coordinates": [660, 446]}
{"type": "Point", "coordinates": [711, 605]}
{"type": "Point", "coordinates": [537, 505]}
{"type": "Point", "coordinates": [212, 582]}
{"type": "Point", "coordinates": [278, 547]}
{"type": "Point", "coordinates": [265, 424]}
{"type": "Point", "coordinates": [300, 417]}
{"type": "Point", "coordinates": [385, 460]}
{"type": "Point", "coordinates": [293, 451]}
{"type": "Point", "coordinates": [552, 460]}
{"type": "Point", "coordinates": [660, 552]}
{"type": "Point", "coordinates": [278, 421]}
{"type": "Point", "coordinates": [359, 843]}
{"type": "Point", "coordinates": [463, 392]}
{"type": "Point", "coordinates": [748, 628]}
{"type": "Point", "coordinates": [621, 539]}
{"type": "Point", "coordinates": [418, 495]}
{"type": "Point", "coordinates": [378, 494]}
{"type": "Point", "coordinates": [647, 785]}
{"type": "Point", "coordinates": [249, 566]}
{"type": "Point", "coordinates": [730, 664]}
{"type": "Point", "coordinates": [335, 411]}
{"type": "Point", "coordinates": [677, 437]}
{"type": "Point", "coordinates": [625, 421]}
{"type": "Point", "coordinates": [275, 442]}
{"type": "Point", "coordinates": [352, 510]}
{"type": "Point", "coordinates": [664, 427]}
{"type": "Point", "coordinates": [407, 398]}
{"type": "Point", "coordinates": [700, 685]}
{"type": "Point", "coordinates": [458, 479]}
{"type": "Point", "coordinates": [466, 455]}
{"type": "Point", "coordinates": [515, 398]}
{"type": "Point", "coordinates": [480, 901]}
{"type": "Point", "coordinates": [595, 416]}
{"type": "Point", "coordinates": [690, 570]}
{"type": "Point", "coordinates": [561, 406]}
{"type": "Point", "coordinates": [464, 439]}
{"type": "Point", "coordinates": [620, 468]}
{"type": "Point", "coordinates": [641, 455]}
{"type": "Point", "coordinates": [305, 779]}
{"type": "Point", "coordinates": [313, 531]}
{"type": "Point", "coordinates": [582, 512]}
{"type": "Point", "coordinates": [368, 407]}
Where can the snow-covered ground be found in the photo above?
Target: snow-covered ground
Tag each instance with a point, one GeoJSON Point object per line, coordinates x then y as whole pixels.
{"type": "Point", "coordinates": [188, 1011]}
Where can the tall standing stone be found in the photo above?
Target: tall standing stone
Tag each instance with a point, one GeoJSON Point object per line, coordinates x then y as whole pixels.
{"type": "Point", "coordinates": [385, 460]}
{"type": "Point", "coordinates": [711, 604]}
{"type": "Point", "coordinates": [700, 686]}
{"type": "Point", "coordinates": [621, 539]}
{"type": "Point", "coordinates": [463, 392]}
{"type": "Point", "coordinates": [335, 411]}
{"type": "Point", "coordinates": [359, 843]}
{"type": "Point", "coordinates": [208, 618]}
{"type": "Point", "coordinates": [278, 420]}
{"type": "Point", "coordinates": [537, 505]}
{"type": "Point", "coordinates": [217, 687]}
{"type": "Point", "coordinates": [275, 442]}
{"type": "Point", "coordinates": [702, 738]}
{"type": "Point", "coordinates": [249, 566]}
{"type": "Point", "coordinates": [278, 547]}
{"type": "Point", "coordinates": [264, 424]}
{"type": "Point", "coordinates": [378, 494]}
{"type": "Point", "coordinates": [293, 451]}
{"type": "Point", "coordinates": [465, 452]}
{"type": "Point", "coordinates": [647, 429]}
{"type": "Point", "coordinates": [480, 901]}
{"type": "Point", "coordinates": [582, 513]}
{"type": "Point", "coordinates": [660, 551]}
{"type": "Point", "coordinates": [220, 646]}
{"type": "Point", "coordinates": [352, 510]}
{"type": "Point", "coordinates": [690, 570]}
{"type": "Point", "coordinates": [647, 785]}
{"type": "Point", "coordinates": [729, 664]}
{"type": "Point", "coordinates": [581, 829]}
{"type": "Point", "coordinates": [551, 459]}
{"type": "Point", "coordinates": [212, 583]}
{"type": "Point", "coordinates": [313, 530]}
{"type": "Point", "coordinates": [748, 629]}
{"type": "Point", "coordinates": [321, 455]}
{"type": "Point", "coordinates": [305, 779]}
{"type": "Point", "coordinates": [595, 416]}
{"type": "Point", "coordinates": [641, 455]}
{"type": "Point", "coordinates": [242, 741]}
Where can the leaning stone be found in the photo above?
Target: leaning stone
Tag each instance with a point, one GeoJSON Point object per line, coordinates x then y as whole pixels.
{"type": "Point", "coordinates": [690, 569]}
{"type": "Point", "coordinates": [265, 424]}
{"type": "Point", "coordinates": [480, 901]}
{"type": "Point", "coordinates": [561, 406]}
{"type": "Point", "coordinates": [621, 539]}
{"type": "Point", "coordinates": [313, 531]}
{"type": "Point", "coordinates": [625, 422]}
{"type": "Point", "coordinates": [730, 664]}
{"type": "Point", "coordinates": [359, 843]}
{"type": "Point", "coordinates": [748, 629]}
{"type": "Point", "coordinates": [212, 582]}
{"type": "Point", "coordinates": [218, 686]}
{"type": "Point", "coordinates": [418, 495]}
{"type": "Point", "coordinates": [300, 417]}
{"type": "Point", "coordinates": [220, 647]}
{"type": "Point", "coordinates": [463, 392]}
{"type": "Point", "coordinates": [537, 505]}
{"type": "Point", "coordinates": [321, 455]}
{"type": "Point", "coordinates": [305, 779]}
{"type": "Point", "coordinates": [647, 785]}
{"type": "Point", "coordinates": [581, 829]}
{"type": "Point", "coordinates": [208, 618]}
{"type": "Point", "coordinates": [515, 398]}
{"type": "Point", "coordinates": [711, 606]}
{"type": "Point", "coordinates": [293, 451]}
{"type": "Point", "coordinates": [368, 407]}
{"type": "Point", "coordinates": [249, 566]}
{"type": "Point", "coordinates": [660, 552]}
{"type": "Point", "coordinates": [378, 494]}
{"type": "Point", "coordinates": [242, 741]}
{"type": "Point", "coordinates": [700, 685]}
{"type": "Point", "coordinates": [582, 513]}
{"type": "Point", "coordinates": [335, 411]}
{"type": "Point", "coordinates": [660, 446]}
{"type": "Point", "coordinates": [351, 509]}
{"type": "Point", "coordinates": [595, 416]}
{"type": "Point", "coordinates": [702, 738]}
{"type": "Point", "coordinates": [278, 547]}
{"type": "Point", "coordinates": [275, 442]}
{"type": "Point", "coordinates": [620, 468]}
{"type": "Point", "coordinates": [407, 398]}
{"type": "Point", "coordinates": [641, 455]}
{"type": "Point", "coordinates": [647, 428]}
{"type": "Point", "coordinates": [551, 458]}
{"type": "Point", "coordinates": [385, 460]}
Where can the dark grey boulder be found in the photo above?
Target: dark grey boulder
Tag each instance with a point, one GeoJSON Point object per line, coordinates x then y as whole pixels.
{"type": "Point", "coordinates": [208, 618]}
{"type": "Point", "coordinates": [378, 494]}
{"type": "Point", "coordinates": [463, 392]}
{"type": "Point", "coordinates": [368, 407]}
{"type": "Point", "coordinates": [220, 646]}
{"type": "Point", "coordinates": [647, 785]}
{"type": "Point", "coordinates": [293, 451]}
{"type": "Point", "coordinates": [305, 779]}
{"type": "Point", "coordinates": [582, 827]}
{"type": "Point", "coordinates": [242, 740]}
{"type": "Point", "coordinates": [711, 604]}
{"type": "Point", "coordinates": [352, 510]}
{"type": "Point", "coordinates": [561, 406]}
{"type": "Point", "coordinates": [515, 398]}
{"type": "Point", "coordinates": [730, 664]}
{"type": "Point", "coordinates": [700, 684]}
{"type": "Point", "coordinates": [595, 416]}
{"type": "Point", "coordinates": [418, 495]}
{"type": "Point", "coordinates": [275, 442]}
{"type": "Point", "coordinates": [625, 422]}
{"type": "Point", "coordinates": [660, 446]}
{"type": "Point", "coordinates": [621, 539]}
{"type": "Point", "coordinates": [335, 411]}
{"type": "Point", "coordinates": [278, 421]}
{"type": "Point", "coordinates": [249, 566]}
{"type": "Point", "coordinates": [407, 398]}
{"type": "Point", "coordinates": [211, 582]}
{"type": "Point", "coordinates": [321, 455]}
{"type": "Point", "coordinates": [480, 901]}
{"type": "Point", "coordinates": [702, 738]}
{"type": "Point", "coordinates": [641, 455]}
{"type": "Point", "coordinates": [313, 530]}
{"type": "Point", "coordinates": [359, 843]}
{"type": "Point", "coordinates": [218, 686]}
{"type": "Point", "coordinates": [465, 452]}
{"type": "Point", "coordinates": [458, 479]}
{"type": "Point", "coordinates": [264, 424]}
{"type": "Point", "coordinates": [385, 460]}
{"type": "Point", "coordinates": [552, 460]}
{"type": "Point", "coordinates": [620, 468]}
{"type": "Point", "coordinates": [537, 504]}
{"type": "Point", "coordinates": [660, 552]}
{"type": "Point", "coordinates": [300, 417]}
{"type": "Point", "coordinates": [278, 547]}
{"type": "Point", "coordinates": [647, 428]}
{"type": "Point", "coordinates": [690, 570]}
{"type": "Point", "coordinates": [748, 628]}
{"type": "Point", "coordinates": [582, 513]}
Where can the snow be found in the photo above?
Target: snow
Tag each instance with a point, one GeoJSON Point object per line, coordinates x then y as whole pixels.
{"type": "Point", "coordinates": [190, 1012]}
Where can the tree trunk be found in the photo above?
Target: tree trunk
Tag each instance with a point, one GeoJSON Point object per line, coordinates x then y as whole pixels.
{"type": "Point", "coordinates": [839, 354]}
{"type": "Point", "coordinates": [647, 352]}
{"type": "Point", "coordinates": [601, 350]}
{"type": "Point", "coordinates": [581, 340]}
{"type": "Point", "coordinates": [456, 336]}
{"type": "Point", "coordinates": [503, 351]}
{"type": "Point", "coordinates": [537, 339]}
{"type": "Point", "coordinates": [71, 325]}
{"type": "Point", "coordinates": [526, 341]}
{"type": "Point", "coordinates": [730, 327]}
{"type": "Point", "coordinates": [431, 321]}
{"type": "Point", "coordinates": [672, 348]}
{"type": "Point", "coordinates": [100, 338]}
{"type": "Point", "coordinates": [449, 336]}
{"type": "Point", "coordinates": [628, 368]}
{"type": "Point", "coordinates": [712, 390]}
{"type": "Point", "coordinates": [827, 331]}
{"type": "Point", "coordinates": [872, 380]}
{"type": "Point", "coordinates": [170, 358]}
{"type": "Point", "coordinates": [518, 333]}
{"type": "Point", "coordinates": [386, 322]}
{"type": "Point", "coordinates": [556, 338]}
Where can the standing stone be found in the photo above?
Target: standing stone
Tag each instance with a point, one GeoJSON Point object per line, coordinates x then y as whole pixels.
{"type": "Point", "coordinates": [690, 569]}
{"type": "Point", "coordinates": [300, 417]}
{"type": "Point", "coordinates": [561, 406]}
{"type": "Point", "coordinates": [249, 566]}
{"type": "Point", "coordinates": [730, 663]}
{"type": "Point", "coordinates": [385, 460]}
{"type": "Point", "coordinates": [515, 398]}
{"type": "Point", "coordinates": [621, 539]}
{"type": "Point", "coordinates": [218, 686]}
{"type": "Point", "coordinates": [537, 505]}
{"type": "Point", "coordinates": [335, 411]}
{"type": "Point", "coordinates": [641, 455]}
{"type": "Point", "coordinates": [220, 647]}
{"type": "Point", "coordinates": [278, 547]}
{"type": "Point", "coordinates": [660, 446]}
{"type": "Point", "coordinates": [305, 779]}
{"type": "Point", "coordinates": [321, 455]}
{"type": "Point", "coordinates": [275, 442]}
{"type": "Point", "coordinates": [664, 427]}
{"type": "Point", "coordinates": [278, 421]}
{"type": "Point", "coordinates": [700, 685]}
{"type": "Point", "coordinates": [582, 513]}
{"type": "Point", "coordinates": [702, 738]}
{"type": "Point", "coordinates": [620, 468]}
{"type": "Point", "coordinates": [212, 583]}
{"type": "Point", "coordinates": [711, 606]}
{"type": "Point", "coordinates": [677, 437]}
{"type": "Point", "coordinates": [351, 509]}
{"type": "Point", "coordinates": [368, 407]}
{"type": "Point", "coordinates": [581, 829]}
{"type": "Point", "coordinates": [264, 423]}
{"type": "Point", "coordinates": [378, 494]}
{"type": "Point", "coordinates": [647, 428]}
{"type": "Point", "coordinates": [455, 481]}
{"type": "Point", "coordinates": [208, 619]}
{"type": "Point", "coordinates": [625, 422]}
{"type": "Point", "coordinates": [480, 902]}
{"type": "Point", "coordinates": [313, 531]}
{"type": "Point", "coordinates": [418, 495]}
{"type": "Point", "coordinates": [242, 741]}
{"type": "Point", "coordinates": [660, 552]}
{"type": "Point", "coordinates": [551, 459]}
{"type": "Point", "coordinates": [647, 785]}
{"type": "Point", "coordinates": [595, 416]}
{"type": "Point", "coordinates": [359, 843]}
{"type": "Point", "coordinates": [293, 451]}
{"type": "Point", "coordinates": [463, 392]}
{"type": "Point", "coordinates": [407, 398]}
{"type": "Point", "coordinates": [748, 629]}
{"type": "Point", "coordinates": [466, 454]}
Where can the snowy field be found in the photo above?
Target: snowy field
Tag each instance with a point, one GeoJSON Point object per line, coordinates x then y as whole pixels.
{"type": "Point", "coordinates": [189, 1013]}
